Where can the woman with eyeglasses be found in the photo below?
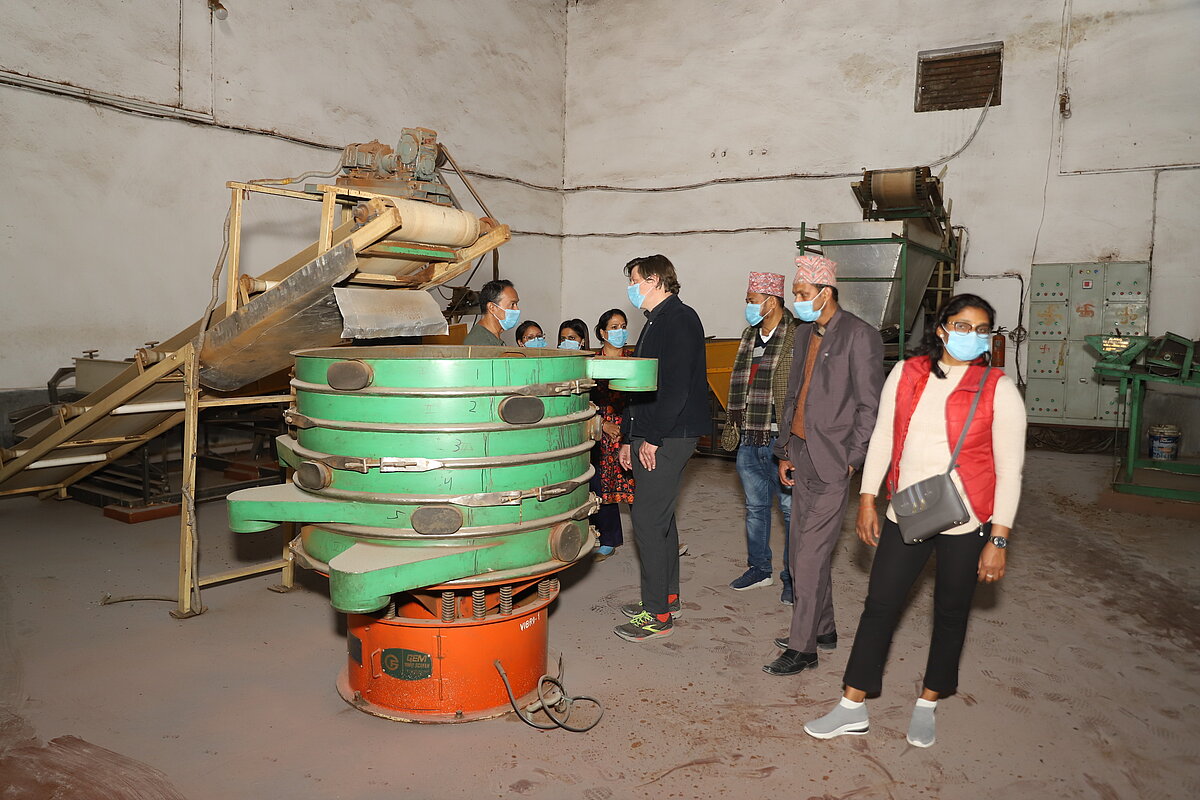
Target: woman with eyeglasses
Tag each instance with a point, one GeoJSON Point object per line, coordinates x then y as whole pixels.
{"type": "Point", "coordinates": [612, 483]}
{"type": "Point", "coordinates": [924, 408]}
{"type": "Point", "coordinates": [529, 334]}
{"type": "Point", "coordinates": [573, 335]}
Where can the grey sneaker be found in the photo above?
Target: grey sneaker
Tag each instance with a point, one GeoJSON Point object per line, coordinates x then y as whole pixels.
{"type": "Point", "coordinates": [839, 722]}
{"type": "Point", "coordinates": [921, 728]}
{"type": "Point", "coordinates": [631, 610]}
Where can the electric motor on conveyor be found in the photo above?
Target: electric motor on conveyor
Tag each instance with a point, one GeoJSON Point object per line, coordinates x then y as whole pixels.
{"type": "Point", "coordinates": [440, 489]}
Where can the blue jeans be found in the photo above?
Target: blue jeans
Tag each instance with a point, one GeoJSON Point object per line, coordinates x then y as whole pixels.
{"type": "Point", "coordinates": [759, 472]}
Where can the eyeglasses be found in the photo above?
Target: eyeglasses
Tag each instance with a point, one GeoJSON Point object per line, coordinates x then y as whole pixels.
{"type": "Point", "coordinates": [966, 327]}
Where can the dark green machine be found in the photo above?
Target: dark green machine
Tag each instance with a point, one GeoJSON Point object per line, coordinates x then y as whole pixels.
{"type": "Point", "coordinates": [1136, 361]}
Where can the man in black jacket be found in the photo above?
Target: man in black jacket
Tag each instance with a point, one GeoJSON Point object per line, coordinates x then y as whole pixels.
{"type": "Point", "coordinates": [659, 431]}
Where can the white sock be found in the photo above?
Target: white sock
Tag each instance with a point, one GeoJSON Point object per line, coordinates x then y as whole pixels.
{"type": "Point", "coordinates": [923, 703]}
{"type": "Point", "coordinates": [851, 704]}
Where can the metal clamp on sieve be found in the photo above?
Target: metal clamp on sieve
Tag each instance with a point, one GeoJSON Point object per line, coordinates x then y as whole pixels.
{"type": "Point", "coordinates": [572, 387]}
{"type": "Point", "coordinates": [317, 476]}
{"type": "Point", "coordinates": [295, 419]}
{"type": "Point", "coordinates": [542, 493]}
{"type": "Point", "coordinates": [384, 464]}
{"type": "Point", "coordinates": [551, 389]}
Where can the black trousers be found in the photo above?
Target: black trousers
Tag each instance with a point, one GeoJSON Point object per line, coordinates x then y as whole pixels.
{"type": "Point", "coordinates": [607, 520]}
{"type": "Point", "coordinates": [653, 517]}
{"type": "Point", "coordinates": [893, 572]}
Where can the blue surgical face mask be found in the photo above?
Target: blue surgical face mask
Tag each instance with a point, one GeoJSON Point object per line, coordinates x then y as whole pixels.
{"type": "Point", "coordinates": [569, 344]}
{"type": "Point", "coordinates": [754, 313]}
{"type": "Point", "coordinates": [967, 346]}
{"type": "Point", "coordinates": [617, 337]}
{"type": "Point", "coordinates": [635, 295]}
{"type": "Point", "coordinates": [511, 317]}
{"type": "Point", "coordinates": [805, 311]}
{"type": "Point", "coordinates": [537, 341]}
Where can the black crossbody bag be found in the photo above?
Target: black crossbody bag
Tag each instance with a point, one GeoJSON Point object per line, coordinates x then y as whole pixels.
{"type": "Point", "coordinates": [928, 507]}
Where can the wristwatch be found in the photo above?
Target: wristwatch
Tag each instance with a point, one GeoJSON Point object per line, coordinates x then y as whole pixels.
{"type": "Point", "coordinates": [999, 542]}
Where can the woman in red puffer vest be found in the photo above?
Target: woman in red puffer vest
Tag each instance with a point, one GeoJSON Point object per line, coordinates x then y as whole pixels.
{"type": "Point", "coordinates": [924, 407]}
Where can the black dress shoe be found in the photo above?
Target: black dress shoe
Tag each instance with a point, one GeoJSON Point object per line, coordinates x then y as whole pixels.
{"type": "Point", "coordinates": [790, 662]}
{"type": "Point", "coordinates": [826, 641]}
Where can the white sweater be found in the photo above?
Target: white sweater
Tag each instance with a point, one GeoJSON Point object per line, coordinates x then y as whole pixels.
{"type": "Point", "coordinates": [927, 450]}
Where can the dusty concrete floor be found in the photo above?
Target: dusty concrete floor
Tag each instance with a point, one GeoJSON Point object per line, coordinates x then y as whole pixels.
{"type": "Point", "coordinates": [1079, 677]}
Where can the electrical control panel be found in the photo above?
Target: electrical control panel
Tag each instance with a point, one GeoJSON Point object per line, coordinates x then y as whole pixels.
{"type": "Point", "coordinates": [1067, 303]}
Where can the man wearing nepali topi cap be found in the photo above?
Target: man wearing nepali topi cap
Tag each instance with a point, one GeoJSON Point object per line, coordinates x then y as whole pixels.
{"type": "Point", "coordinates": [832, 401]}
{"type": "Point", "coordinates": [757, 388]}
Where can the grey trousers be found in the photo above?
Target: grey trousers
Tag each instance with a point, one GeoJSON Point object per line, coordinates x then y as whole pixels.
{"type": "Point", "coordinates": [653, 517]}
{"type": "Point", "coordinates": [817, 512]}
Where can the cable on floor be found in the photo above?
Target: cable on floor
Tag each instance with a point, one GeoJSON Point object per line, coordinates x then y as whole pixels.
{"type": "Point", "coordinates": [557, 705]}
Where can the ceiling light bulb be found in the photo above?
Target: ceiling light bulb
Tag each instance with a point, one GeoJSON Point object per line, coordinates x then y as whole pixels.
{"type": "Point", "coordinates": [219, 11]}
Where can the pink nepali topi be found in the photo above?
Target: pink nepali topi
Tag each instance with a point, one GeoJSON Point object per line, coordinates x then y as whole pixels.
{"type": "Point", "coordinates": [815, 269]}
{"type": "Point", "coordinates": [766, 283]}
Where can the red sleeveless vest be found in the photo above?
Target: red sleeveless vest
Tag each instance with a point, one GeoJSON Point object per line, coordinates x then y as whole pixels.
{"type": "Point", "coordinates": [976, 466]}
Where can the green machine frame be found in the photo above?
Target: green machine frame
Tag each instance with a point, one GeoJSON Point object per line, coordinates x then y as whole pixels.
{"type": "Point", "coordinates": [1118, 355]}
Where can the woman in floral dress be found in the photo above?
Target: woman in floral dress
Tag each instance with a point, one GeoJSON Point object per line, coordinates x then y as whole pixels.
{"type": "Point", "coordinates": [612, 484]}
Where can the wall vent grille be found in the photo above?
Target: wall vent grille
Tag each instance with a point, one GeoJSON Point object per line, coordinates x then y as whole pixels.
{"type": "Point", "coordinates": [960, 77]}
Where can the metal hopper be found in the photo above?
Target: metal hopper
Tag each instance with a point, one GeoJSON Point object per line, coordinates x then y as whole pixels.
{"type": "Point", "coordinates": [878, 301]}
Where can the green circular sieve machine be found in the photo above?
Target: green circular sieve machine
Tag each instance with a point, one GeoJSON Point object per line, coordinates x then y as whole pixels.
{"type": "Point", "coordinates": [417, 466]}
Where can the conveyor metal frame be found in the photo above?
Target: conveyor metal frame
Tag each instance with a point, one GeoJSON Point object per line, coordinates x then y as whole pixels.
{"type": "Point", "coordinates": [159, 369]}
{"type": "Point", "coordinates": [948, 256]}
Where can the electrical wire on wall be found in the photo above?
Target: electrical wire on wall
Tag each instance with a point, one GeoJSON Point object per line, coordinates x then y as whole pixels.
{"type": "Point", "coordinates": [695, 232]}
{"type": "Point", "coordinates": [1063, 105]}
{"type": "Point", "coordinates": [1055, 128]}
{"type": "Point", "coordinates": [789, 176]}
{"type": "Point", "coordinates": [153, 110]}
{"type": "Point", "coordinates": [1017, 335]}
{"type": "Point", "coordinates": [305, 176]}
{"type": "Point", "coordinates": [165, 112]}
{"type": "Point", "coordinates": [793, 176]}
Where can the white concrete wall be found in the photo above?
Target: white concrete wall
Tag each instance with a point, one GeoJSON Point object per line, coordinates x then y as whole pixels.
{"type": "Point", "coordinates": [115, 225]}
{"type": "Point", "coordinates": [111, 222]}
{"type": "Point", "coordinates": [662, 93]}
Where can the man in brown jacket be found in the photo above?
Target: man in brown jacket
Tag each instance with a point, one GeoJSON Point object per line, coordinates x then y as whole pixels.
{"type": "Point", "coordinates": [832, 401]}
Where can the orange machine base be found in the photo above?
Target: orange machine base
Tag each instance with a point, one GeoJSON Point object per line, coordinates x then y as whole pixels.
{"type": "Point", "coordinates": [425, 670]}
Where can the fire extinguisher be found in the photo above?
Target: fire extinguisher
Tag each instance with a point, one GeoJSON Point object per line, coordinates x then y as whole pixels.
{"type": "Point", "coordinates": [998, 347]}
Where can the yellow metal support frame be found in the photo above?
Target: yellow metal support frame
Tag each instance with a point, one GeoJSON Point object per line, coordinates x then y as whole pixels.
{"type": "Point", "coordinates": [188, 602]}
